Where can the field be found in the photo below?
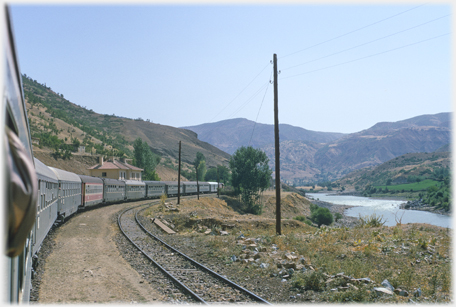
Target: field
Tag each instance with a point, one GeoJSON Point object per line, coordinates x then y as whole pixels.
{"type": "Point", "coordinates": [325, 260]}
{"type": "Point", "coordinates": [416, 186]}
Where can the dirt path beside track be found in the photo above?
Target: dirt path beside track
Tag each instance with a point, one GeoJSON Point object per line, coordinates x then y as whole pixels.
{"type": "Point", "coordinates": [85, 265]}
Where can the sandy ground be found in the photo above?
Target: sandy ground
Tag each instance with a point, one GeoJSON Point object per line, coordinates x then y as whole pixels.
{"type": "Point", "coordinates": [86, 266]}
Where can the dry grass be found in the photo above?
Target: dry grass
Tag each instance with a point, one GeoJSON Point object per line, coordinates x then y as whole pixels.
{"type": "Point", "coordinates": [410, 256]}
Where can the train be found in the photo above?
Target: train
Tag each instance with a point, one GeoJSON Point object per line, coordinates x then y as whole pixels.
{"type": "Point", "coordinates": [62, 194]}
{"type": "Point", "coordinates": [40, 197]}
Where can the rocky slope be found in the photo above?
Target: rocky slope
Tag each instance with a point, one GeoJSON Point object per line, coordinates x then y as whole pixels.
{"type": "Point", "coordinates": [56, 119]}
{"type": "Point", "coordinates": [316, 156]}
{"type": "Point", "coordinates": [231, 134]}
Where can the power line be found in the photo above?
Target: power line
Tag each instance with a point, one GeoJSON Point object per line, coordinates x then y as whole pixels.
{"type": "Point", "coordinates": [248, 100]}
{"type": "Point", "coordinates": [256, 119]}
{"type": "Point", "coordinates": [353, 31]}
{"type": "Point", "coordinates": [364, 44]}
{"type": "Point", "coordinates": [240, 92]}
{"type": "Point", "coordinates": [369, 56]}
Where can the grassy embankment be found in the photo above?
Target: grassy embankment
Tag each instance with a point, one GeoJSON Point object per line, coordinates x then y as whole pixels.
{"type": "Point", "coordinates": [412, 187]}
{"type": "Point", "coordinates": [410, 256]}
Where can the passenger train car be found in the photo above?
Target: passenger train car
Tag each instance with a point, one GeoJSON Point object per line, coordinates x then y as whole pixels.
{"type": "Point", "coordinates": [113, 190]}
{"type": "Point", "coordinates": [55, 194]}
{"type": "Point", "coordinates": [47, 206]}
{"type": "Point", "coordinates": [69, 196]}
{"type": "Point", "coordinates": [92, 191]}
{"type": "Point", "coordinates": [61, 194]}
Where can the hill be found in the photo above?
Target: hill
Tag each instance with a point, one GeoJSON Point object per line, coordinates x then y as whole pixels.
{"type": "Point", "coordinates": [309, 156]}
{"type": "Point", "coordinates": [374, 146]}
{"type": "Point", "coordinates": [408, 168]}
{"type": "Point", "coordinates": [61, 126]}
{"type": "Point", "coordinates": [231, 134]}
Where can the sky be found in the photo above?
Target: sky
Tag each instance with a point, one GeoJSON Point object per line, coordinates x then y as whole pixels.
{"type": "Point", "coordinates": [343, 67]}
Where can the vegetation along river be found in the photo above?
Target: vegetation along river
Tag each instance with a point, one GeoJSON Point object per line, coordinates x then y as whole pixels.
{"type": "Point", "coordinates": [389, 209]}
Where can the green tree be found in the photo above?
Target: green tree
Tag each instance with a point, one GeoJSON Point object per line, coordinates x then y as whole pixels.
{"type": "Point", "coordinates": [145, 159]}
{"type": "Point", "coordinates": [76, 144]}
{"type": "Point", "coordinates": [211, 174]}
{"type": "Point", "coordinates": [200, 165]}
{"type": "Point", "coordinates": [321, 216]}
{"type": "Point", "coordinates": [223, 174]}
{"type": "Point", "coordinates": [250, 174]}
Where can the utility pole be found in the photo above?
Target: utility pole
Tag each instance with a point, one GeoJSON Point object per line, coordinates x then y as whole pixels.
{"type": "Point", "coordinates": [277, 151]}
{"type": "Point", "coordinates": [179, 177]}
{"type": "Point", "coordinates": [218, 183]}
{"type": "Point", "coordinates": [197, 184]}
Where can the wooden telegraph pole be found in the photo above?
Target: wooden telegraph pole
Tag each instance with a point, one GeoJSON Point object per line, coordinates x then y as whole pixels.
{"type": "Point", "coordinates": [179, 176]}
{"type": "Point", "coordinates": [197, 184]}
{"type": "Point", "coordinates": [218, 183]}
{"type": "Point", "coordinates": [277, 152]}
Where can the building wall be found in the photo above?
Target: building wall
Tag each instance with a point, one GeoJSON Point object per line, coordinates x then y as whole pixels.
{"type": "Point", "coordinates": [116, 174]}
{"type": "Point", "coordinates": [110, 173]}
{"type": "Point", "coordinates": [134, 175]}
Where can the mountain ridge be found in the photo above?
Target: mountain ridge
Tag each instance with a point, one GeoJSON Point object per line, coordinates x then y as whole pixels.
{"type": "Point", "coordinates": [305, 155]}
{"type": "Point", "coordinates": [321, 156]}
{"type": "Point", "coordinates": [240, 129]}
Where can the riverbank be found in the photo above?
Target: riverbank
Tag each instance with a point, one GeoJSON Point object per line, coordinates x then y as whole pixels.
{"type": "Point", "coordinates": [390, 210]}
{"type": "Point", "coordinates": [345, 221]}
{"type": "Point", "coordinates": [420, 206]}
{"type": "Point", "coordinates": [415, 205]}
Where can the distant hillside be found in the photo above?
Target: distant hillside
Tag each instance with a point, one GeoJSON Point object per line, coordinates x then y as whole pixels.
{"type": "Point", "coordinates": [297, 159]}
{"type": "Point", "coordinates": [374, 146]}
{"type": "Point", "coordinates": [437, 120]}
{"type": "Point", "coordinates": [308, 156]}
{"type": "Point", "coordinates": [399, 170]}
{"type": "Point", "coordinates": [58, 124]}
{"type": "Point", "coordinates": [230, 134]}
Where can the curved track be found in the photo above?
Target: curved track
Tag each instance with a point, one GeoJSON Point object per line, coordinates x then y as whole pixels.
{"type": "Point", "coordinates": [197, 283]}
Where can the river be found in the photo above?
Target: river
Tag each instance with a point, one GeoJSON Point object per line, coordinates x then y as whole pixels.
{"type": "Point", "coordinates": [389, 209]}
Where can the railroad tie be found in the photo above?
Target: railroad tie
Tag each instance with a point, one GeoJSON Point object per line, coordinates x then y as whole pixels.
{"type": "Point", "coordinates": [163, 226]}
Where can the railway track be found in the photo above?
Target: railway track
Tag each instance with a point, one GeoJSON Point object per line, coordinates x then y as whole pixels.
{"type": "Point", "coordinates": [197, 283]}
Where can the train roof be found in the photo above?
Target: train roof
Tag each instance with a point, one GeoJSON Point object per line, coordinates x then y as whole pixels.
{"type": "Point", "coordinates": [44, 172]}
{"type": "Point", "coordinates": [172, 182]}
{"type": "Point", "coordinates": [65, 176]}
{"type": "Point", "coordinates": [134, 182]}
{"type": "Point", "coordinates": [194, 182]}
{"type": "Point", "coordinates": [113, 181]}
{"type": "Point", "coordinates": [154, 182]}
{"type": "Point", "coordinates": [90, 179]}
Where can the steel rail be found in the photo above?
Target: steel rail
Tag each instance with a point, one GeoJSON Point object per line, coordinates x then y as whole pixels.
{"type": "Point", "coordinates": [251, 294]}
{"type": "Point", "coordinates": [184, 287]}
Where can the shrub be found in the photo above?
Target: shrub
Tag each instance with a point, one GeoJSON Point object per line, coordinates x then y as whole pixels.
{"type": "Point", "coordinates": [163, 198]}
{"type": "Point", "coordinates": [300, 218]}
{"type": "Point", "coordinates": [371, 220]}
{"type": "Point", "coordinates": [313, 207]}
{"type": "Point", "coordinates": [308, 222]}
{"type": "Point", "coordinates": [338, 216]}
{"type": "Point", "coordinates": [352, 295]}
{"type": "Point", "coordinates": [309, 281]}
{"type": "Point", "coordinates": [322, 216]}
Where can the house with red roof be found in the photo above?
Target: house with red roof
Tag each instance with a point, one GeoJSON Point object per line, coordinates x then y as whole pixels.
{"type": "Point", "coordinates": [115, 169]}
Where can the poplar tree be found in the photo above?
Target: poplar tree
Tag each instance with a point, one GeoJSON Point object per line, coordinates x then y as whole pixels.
{"type": "Point", "coordinates": [250, 175]}
{"type": "Point", "coordinates": [200, 165]}
{"type": "Point", "coordinates": [145, 159]}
